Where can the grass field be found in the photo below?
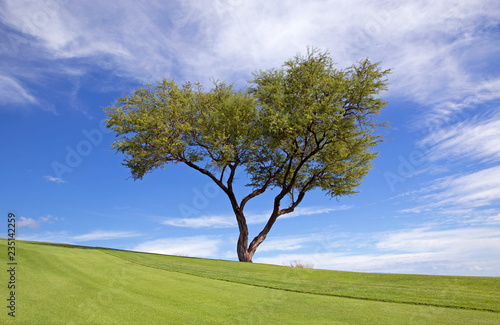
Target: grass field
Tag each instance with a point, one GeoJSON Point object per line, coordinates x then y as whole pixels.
{"type": "Point", "coordinates": [63, 284]}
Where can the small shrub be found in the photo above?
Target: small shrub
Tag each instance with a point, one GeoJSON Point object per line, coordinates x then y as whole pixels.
{"type": "Point", "coordinates": [301, 265]}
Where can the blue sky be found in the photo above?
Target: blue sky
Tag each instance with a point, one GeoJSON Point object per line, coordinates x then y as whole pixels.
{"type": "Point", "coordinates": [431, 204]}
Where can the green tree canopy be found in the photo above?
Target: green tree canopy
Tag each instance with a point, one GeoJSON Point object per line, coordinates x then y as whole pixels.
{"type": "Point", "coordinates": [303, 126]}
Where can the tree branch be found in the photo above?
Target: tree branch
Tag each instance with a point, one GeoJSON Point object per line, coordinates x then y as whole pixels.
{"type": "Point", "coordinates": [240, 218]}
{"type": "Point", "coordinates": [277, 202]}
{"type": "Point", "coordinates": [288, 188]}
{"type": "Point", "coordinates": [206, 172]}
{"type": "Point", "coordinates": [259, 190]}
{"type": "Point", "coordinates": [302, 193]}
{"type": "Point", "coordinates": [222, 174]}
{"type": "Point", "coordinates": [230, 179]}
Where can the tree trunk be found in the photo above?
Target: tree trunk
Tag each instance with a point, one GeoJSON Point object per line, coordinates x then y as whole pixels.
{"type": "Point", "coordinates": [245, 251]}
{"type": "Point", "coordinates": [243, 255]}
{"type": "Point", "coordinates": [242, 246]}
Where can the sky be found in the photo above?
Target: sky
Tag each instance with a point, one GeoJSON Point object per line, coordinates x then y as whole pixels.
{"type": "Point", "coordinates": [430, 205]}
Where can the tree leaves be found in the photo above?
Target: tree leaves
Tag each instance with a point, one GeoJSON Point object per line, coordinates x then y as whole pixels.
{"type": "Point", "coordinates": [319, 122]}
{"type": "Point", "coordinates": [306, 125]}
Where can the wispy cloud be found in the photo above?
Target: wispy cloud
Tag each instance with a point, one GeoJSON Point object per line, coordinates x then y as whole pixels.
{"type": "Point", "coordinates": [474, 140]}
{"type": "Point", "coordinates": [105, 235]}
{"type": "Point", "coordinates": [487, 217]}
{"type": "Point", "coordinates": [476, 189]}
{"type": "Point", "coordinates": [203, 221]}
{"type": "Point", "coordinates": [427, 68]}
{"type": "Point", "coordinates": [47, 236]}
{"type": "Point", "coordinates": [59, 28]}
{"type": "Point", "coordinates": [473, 94]}
{"type": "Point", "coordinates": [12, 92]}
{"type": "Point", "coordinates": [229, 221]}
{"type": "Point", "coordinates": [286, 243]}
{"type": "Point", "coordinates": [199, 246]}
{"type": "Point", "coordinates": [298, 212]}
{"type": "Point", "coordinates": [82, 30]}
{"type": "Point", "coordinates": [307, 211]}
{"type": "Point", "coordinates": [429, 45]}
{"type": "Point", "coordinates": [65, 237]}
{"type": "Point", "coordinates": [28, 222]}
{"type": "Point", "coordinates": [54, 179]}
{"type": "Point", "coordinates": [425, 250]}
{"type": "Point", "coordinates": [32, 223]}
{"type": "Point", "coordinates": [470, 192]}
{"type": "Point", "coordinates": [428, 239]}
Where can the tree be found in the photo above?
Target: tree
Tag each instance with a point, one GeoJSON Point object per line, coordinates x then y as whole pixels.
{"type": "Point", "coordinates": [304, 126]}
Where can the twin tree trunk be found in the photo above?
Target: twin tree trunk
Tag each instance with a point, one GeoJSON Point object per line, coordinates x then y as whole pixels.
{"type": "Point", "coordinates": [244, 250]}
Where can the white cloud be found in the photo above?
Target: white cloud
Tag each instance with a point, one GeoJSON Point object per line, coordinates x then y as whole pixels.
{"type": "Point", "coordinates": [425, 250]}
{"type": "Point", "coordinates": [229, 221]}
{"type": "Point", "coordinates": [62, 28]}
{"type": "Point", "coordinates": [307, 211]}
{"type": "Point", "coordinates": [135, 39]}
{"type": "Point", "coordinates": [285, 244]}
{"type": "Point", "coordinates": [475, 93]}
{"type": "Point", "coordinates": [475, 189]}
{"type": "Point", "coordinates": [460, 240]}
{"type": "Point", "coordinates": [203, 221]}
{"type": "Point", "coordinates": [474, 140]}
{"type": "Point", "coordinates": [32, 223]}
{"type": "Point", "coordinates": [48, 236]}
{"type": "Point", "coordinates": [54, 179]}
{"type": "Point", "coordinates": [461, 192]}
{"type": "Point", "coordinates": [65, 237]}
{"type": "Point", "coordinates": [12, 92]}
{"type": "Point", "coordinates": [104, 235]}
{"type": "Point", "coordinates": [461, 215]}
{"type": "Point", "coordinates": [199, 246]}
{"type": "Point", "coordinates": [253, 218]}
{"type": "Point", "coordinates": [488, 217]}
{"type": "Point", "coordinates": [429, 44]}
{"type": "Point", "coordinates": [420, 40]}
{"type": "Point", "coordinates": [27, 222]}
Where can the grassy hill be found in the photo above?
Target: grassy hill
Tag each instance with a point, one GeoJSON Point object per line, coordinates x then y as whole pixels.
{"type": "Point", "coordinates": [64, 284]}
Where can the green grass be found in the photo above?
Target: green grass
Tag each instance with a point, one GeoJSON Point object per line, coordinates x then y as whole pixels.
{"type": "Point", "coordinates": [481, 293]}
{"type": "Point", "coordinates": [62, 284]}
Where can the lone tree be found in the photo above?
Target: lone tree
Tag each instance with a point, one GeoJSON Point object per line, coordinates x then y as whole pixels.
{"type": "Point", "coordinates": [306, 125]}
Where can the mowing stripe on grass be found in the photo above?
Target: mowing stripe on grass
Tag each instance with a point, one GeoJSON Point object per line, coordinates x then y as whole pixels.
{"type": "Point", "coordinates": [466, 293]}
{"type": "Point", "coordinates": [68, 284]}
{"type": "Point", "coordinates": [107, 251]}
